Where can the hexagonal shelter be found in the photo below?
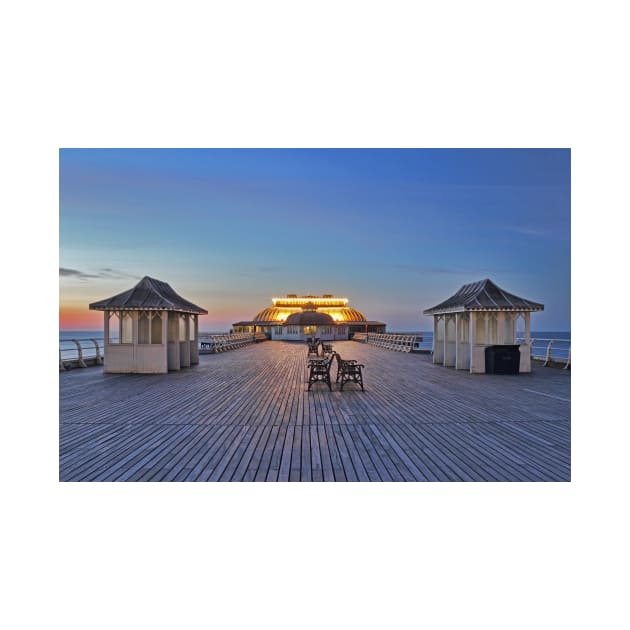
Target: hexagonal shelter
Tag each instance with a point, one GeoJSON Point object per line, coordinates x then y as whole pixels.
{"type": "Point", "coordinates": [479, 315]}
{"type": "Point", "coordinates": [149, 329]}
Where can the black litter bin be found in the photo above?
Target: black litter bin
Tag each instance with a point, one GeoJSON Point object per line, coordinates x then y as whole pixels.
{"type": "Point", "coordinates": [502, 359]}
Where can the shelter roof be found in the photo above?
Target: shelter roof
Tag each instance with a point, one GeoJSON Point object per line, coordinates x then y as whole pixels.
{"type": "Point", "coordinates": [484, 295]}
{"type": "Point", "coordinates": [309, 318]}
{"type": "Point", "coordinates": [148, 295]}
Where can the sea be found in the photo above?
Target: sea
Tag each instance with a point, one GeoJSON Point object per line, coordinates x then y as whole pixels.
{"type": "Point", "coordinates": [559, 350]}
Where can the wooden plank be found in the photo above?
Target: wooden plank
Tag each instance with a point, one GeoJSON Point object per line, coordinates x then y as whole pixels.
{"type": "Point", "coordinates": [305, 454]}
{"type": "Point", "coordinates": [296, 453]}
{"type": "Point", "coordinates": [260, 466]}
{"type": "Point", "coordinates": [284, 470]}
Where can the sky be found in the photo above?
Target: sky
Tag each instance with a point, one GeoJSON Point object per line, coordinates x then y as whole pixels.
{"type": "Point", "coordinates": [394, 231]}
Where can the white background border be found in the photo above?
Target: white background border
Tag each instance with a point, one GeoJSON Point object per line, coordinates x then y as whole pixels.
{"type": "Point", "coordinates": [331, 74]}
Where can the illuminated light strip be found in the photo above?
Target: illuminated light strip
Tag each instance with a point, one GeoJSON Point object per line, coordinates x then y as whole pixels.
{"type": "Point", "coordinates": [315, 300]}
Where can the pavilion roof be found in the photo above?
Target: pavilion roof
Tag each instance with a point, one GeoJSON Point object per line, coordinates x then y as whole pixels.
{"type": "Point", "coordinates": [483, 295]}
{"type": "Point", "coordinates": [148, 295]}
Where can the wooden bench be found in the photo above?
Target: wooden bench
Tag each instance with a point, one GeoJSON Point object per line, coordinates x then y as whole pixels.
{"type": "Point", "coordinates": [349, 371]}
{"type": "Point", "coordinates": [319, 371]}
{"type": "Point", "coordinates": [313, 349]}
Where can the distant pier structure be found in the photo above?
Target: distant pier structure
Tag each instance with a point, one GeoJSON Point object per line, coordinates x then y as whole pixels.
{"type": "Point", "coordinates": [479, 315]}
{"type": "Point", "coordinates": [297, 317]}
{"type": "Point", "coordinates": [149, 329]}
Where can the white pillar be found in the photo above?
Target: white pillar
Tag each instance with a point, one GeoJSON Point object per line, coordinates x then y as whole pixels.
{"type": "Point", "coordinates": [184, 344]}
{"type": "Point", "coordinates": [438, 352]}
{"type": "Point", "coordinates": [135, 318]}
{"type": "Point", "coordinates": [194, 343]}
{"type": "Point", "coordinates": [106, 340]}
{"type": "Point", "coordinates": [106, 328]}
{"type": "Point", "coordinates": [472, 339]}
{"type": "Point", "coordinates": [164, 315]}
{"type": "Point", "coordinates": [445, 351]}
{"type": "Point", "coordinates": [458, 320]}
{"type": "Point", "coordinates": [173, 341]}
{"type": "Point", "coordinates": [528, 332]}
{"type": "Point", "coordinates": [526, 348]}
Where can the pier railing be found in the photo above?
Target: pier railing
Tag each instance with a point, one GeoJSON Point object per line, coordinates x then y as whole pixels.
{"type": "Point", "coordinates": [389, 341]}
{"type": "Point", "coordinates": [550, 350]}
{"type": "Point", "coordinates": [80, 353]}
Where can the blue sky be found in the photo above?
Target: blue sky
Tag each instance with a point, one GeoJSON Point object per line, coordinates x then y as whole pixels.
{"type": "Point", "coordinates": [396, 231]}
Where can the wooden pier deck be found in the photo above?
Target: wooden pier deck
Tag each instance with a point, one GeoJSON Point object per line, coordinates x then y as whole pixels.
{"type": "Point", "coordinates": [246, 415]}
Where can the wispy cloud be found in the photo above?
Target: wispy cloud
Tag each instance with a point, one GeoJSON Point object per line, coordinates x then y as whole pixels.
{"type": "Point", "coordinates": [74, 273]}
{"type": "Point", "coordinates": [103, 273]}
{"type": "Point", "coordinates": [106, 272]}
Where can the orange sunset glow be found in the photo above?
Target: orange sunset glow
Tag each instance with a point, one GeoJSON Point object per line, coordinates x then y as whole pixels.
{"type": "Point", "coordinates": [79, 318]}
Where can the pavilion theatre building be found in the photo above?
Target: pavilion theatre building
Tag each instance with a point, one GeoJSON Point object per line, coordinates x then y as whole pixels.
{"type": "Point", "coordinates": [295, 318]}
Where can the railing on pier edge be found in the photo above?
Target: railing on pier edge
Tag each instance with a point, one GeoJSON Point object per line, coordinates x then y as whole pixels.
{"type": "Point", "coordinates": [389, 341]}
{"type": "Point", "coordinates": [550, 351]}
{"type": "Point", "coordinates": [75, 353]}
{"type": "Point", "coordinates": [85, 352]}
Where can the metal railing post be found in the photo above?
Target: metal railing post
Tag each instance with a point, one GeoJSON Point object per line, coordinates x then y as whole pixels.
{"type": "Point", "coordinates": [78, 345]}
{"type": "Point", "coordinates": [548, 356]}
{"type": "Point", "coordinates": [99, 360]}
